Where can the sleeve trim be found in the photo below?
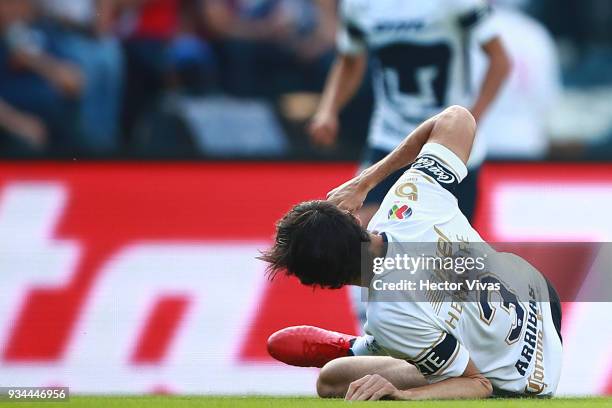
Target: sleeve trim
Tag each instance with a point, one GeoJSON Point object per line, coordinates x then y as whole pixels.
{"type": "Point", "coordinates": [448, 157]}
{"type": "Point", "coordinates": [439, 357]}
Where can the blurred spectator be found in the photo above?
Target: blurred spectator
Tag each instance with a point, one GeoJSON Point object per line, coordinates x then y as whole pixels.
{"type": "Point", "coordinates": [39, 90]}
{"type": "Point", "coordinates": [83, 31]}
{"type": "Point", "coordinates": [269, 46]}
{"type": "Point", "coordinates": [585, 22]}
{"type": "Point", "coordinates": [20, 131]}
{"type": "Point", "coordinates": [516, 125]}
{"type": "Point", "coordinates": [161, 49]}
{"type": "Point", "coordinates": [146, 27]}
{"type": "Point", "coordinates": [84, 75]}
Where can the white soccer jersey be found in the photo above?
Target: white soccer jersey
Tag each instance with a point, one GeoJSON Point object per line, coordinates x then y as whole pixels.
{"type": "Point", "coordinates": [421, 55]}
{"type": "Point", "coordinates": [513, 342]}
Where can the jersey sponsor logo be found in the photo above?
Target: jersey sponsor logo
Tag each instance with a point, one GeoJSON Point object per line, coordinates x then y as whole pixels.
{"type": "Point", "coordinates": [400, 213]}
{"type": "Point", "coordinates": [532, 336]}
{"type": "Point", "coordinates": [433, 167]}
{"type": "Point", "coordinates": [407, 190]}
{"type": "Point", "coordinates": [438, 357]}
{"type": "Point", "coordinates": [535, 382]}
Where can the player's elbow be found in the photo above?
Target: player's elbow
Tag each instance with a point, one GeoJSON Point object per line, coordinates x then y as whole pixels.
{"type": "Point", "coordinates": [329, 383]}
{"type": "Point", "coordinates": [458, 116]}
{"type": "Point", "coordinates": [455, 128]}
{"type": "Point", "coordinates": [483, 386]}
{"type": "Point", "coordinates": [328, 390]}
{"type": "Point", "coordinates": [325, 390]}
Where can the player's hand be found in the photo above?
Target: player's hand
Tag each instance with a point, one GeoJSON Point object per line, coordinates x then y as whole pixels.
{"type": "Point", "coordinates": [372, 388]}
{"type": "Point", "coordinates": [323, 129]}
{"type": "Point", "coordinates": [349, 196]}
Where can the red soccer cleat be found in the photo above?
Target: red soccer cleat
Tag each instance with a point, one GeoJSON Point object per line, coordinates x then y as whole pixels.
{"type": "Point", "coordinates": [308, 346]}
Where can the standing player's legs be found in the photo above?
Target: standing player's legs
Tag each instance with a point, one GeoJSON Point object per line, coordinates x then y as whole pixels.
{"type": "Point", "coordinates": [336, 376]}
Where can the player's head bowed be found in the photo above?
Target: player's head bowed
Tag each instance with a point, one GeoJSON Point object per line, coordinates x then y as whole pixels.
{"type": "Point", "coordinates": [318, 243]}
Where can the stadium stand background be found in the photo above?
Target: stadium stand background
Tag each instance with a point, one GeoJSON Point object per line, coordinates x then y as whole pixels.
{"type": "Point", "coordinates": [188, 78]}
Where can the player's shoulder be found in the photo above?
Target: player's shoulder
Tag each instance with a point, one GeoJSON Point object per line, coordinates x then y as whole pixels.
{"type": "Point", "coordinates": [414, 204]}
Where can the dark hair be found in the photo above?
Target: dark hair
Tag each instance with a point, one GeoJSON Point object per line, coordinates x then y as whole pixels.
{"type": "Point", "coordinates": [318, 243]}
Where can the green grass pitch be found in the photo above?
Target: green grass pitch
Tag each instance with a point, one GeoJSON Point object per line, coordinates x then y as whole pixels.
{"type": "Point", "coordinates": [272, 402]}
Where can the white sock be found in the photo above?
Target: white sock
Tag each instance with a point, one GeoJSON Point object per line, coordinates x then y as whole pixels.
{"type": "Point", "coordinates": [366, 346]}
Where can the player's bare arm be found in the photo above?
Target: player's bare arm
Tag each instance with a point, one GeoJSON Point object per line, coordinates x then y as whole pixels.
{"type": "Point", "coordinates": [343, 81]}
{"type": "Point", "coordinates": [454, 128]}
{"type": "Point", "coordinates": [471, 385]}
{"type": "Point", "coordinates": [497, 72]}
